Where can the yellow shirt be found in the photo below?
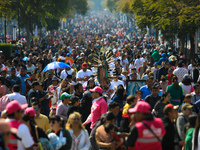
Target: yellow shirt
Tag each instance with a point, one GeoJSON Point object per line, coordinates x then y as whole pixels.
{"type": "Point", "coordinates": [43, 122]}
{"type": "Point", "coordinates": [125, 108]}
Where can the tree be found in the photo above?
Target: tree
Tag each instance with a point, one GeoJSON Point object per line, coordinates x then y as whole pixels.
{"type": "Point", "coordinates": [79, 6]}
{"type": "Point", "coordinates": [111, 4]}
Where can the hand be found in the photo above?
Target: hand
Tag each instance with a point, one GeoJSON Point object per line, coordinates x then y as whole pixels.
{"type": "Point", "coordinates": [112, 145]}
{"type": "Point", "coordinates": [181, 143]}
{"type": "Point", "coordinates": [84, 124]}
{"type": "Point", "coordinates": [46, 96]}
{"type": "Point", "coordinates": [85, 78]}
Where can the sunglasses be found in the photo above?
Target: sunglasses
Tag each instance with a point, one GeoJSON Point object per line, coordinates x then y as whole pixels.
{"type": "Point", "coordinates": [36, 109]}
{"type": "Point", "coordinates": [76, 119]}
{"type": "Point", "coordinates": [52, 121]}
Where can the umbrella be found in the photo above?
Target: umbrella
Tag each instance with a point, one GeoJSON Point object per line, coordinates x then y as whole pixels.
{"type": "Point", "coordinates": [55, 65]}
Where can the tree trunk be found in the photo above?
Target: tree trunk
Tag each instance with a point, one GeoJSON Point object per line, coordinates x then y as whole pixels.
{"type": "Point", "coordinates": [28, 33]}
{"type": "Point", "coordinates": [192, 48]}
{"type": "Point", "coordinates": [157, 32]}
{"type": "Point", "coordinates": [182, 44]}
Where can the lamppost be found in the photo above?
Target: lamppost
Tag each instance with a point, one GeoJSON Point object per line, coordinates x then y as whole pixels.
{"type": "Point", "coordinates": [14, 33]}
{"type": "Point", "coordinates": [5, 30]}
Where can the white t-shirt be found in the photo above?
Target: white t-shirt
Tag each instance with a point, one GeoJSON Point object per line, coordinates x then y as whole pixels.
{"type": "Point", "coordinates": [30, 69]}
{"type": "Point", "coordinates": [17, 96]}
{"type": "Point", "coordinates": [2, 66]}
{"type": "Point", "coordinates": [64, 75]}
{"type": "Point", "coordinates": [137, 63]}
{"type": "Point", "coordinates": [115, 84]}
{"type": "Point", "coordinates": [81, 74]}
{"type": "Point", "coordinates": [24, 134]}
{"type": "Point", "coordinates": [125, 63]}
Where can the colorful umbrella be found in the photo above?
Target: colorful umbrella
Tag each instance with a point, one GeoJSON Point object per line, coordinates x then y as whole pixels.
{"type": "Point", "coordinates": [55, 65]}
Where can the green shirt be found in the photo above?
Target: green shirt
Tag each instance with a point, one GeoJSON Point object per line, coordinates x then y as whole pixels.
{"type": "Point", "coordinates": [176, 94]}
{"type": "Point", "coordinates": [188, 139]}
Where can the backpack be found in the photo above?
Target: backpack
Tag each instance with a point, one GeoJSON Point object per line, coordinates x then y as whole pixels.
{"type": "Point", "coordinates": [4, 100]}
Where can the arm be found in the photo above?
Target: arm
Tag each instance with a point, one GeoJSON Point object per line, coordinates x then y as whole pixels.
{"type": "Point", "coordinates": [69, 140]}
{"type": "Point", "coordinates": [88, 120]}
{"type": "Point", "coordinates": [104, 108]}
{"type": "Point", "coordinates": [102, 144]}
{"type": "Point", "coordinates": [180, 125]}
{"type": "Point", "coordinates": [132, 138]}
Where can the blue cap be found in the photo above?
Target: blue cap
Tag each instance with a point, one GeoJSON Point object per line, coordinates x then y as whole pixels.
{"type": "Point", "coordinates": [68, 54]}
{"type": "Point", "coordinates": [169, 53]}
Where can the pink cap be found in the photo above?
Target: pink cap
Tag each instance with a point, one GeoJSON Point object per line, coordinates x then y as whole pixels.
{"type": "Point", "coordinates": [14, 106]}
{"type": "Point", "coordinates": [30, 111]}
{"type": "Point", "coordinates": [141, 106]}
{"type": "Point", "coordinates": [97, 89]}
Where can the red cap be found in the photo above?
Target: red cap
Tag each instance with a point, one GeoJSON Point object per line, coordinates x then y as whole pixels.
{"type": "Point", "coordinates": [4, 69]}
{"type": "Point", "coordinates": [172, 106]}
{"type": "Point", "coordinates": [141, 106]}
{"type": "Point", "coordinates": [84, 65]}
{"type": "Point", "coordinates": [97, 89]}
{"type": "Point", "coordinates": [30, 111]}
{"type": "Point", "coordinates": [14, 106]}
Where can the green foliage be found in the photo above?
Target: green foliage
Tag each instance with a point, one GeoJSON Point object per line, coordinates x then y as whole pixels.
{"type": "Point", "coordinates": [111, 4]}
{"type": "Point", "coordinates": [80, 6]}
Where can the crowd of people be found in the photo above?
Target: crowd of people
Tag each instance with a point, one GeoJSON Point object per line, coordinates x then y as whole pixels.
{"type": "Point", "coordinates": [87, 106]}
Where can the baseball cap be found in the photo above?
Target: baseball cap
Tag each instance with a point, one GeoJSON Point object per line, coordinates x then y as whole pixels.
{"type": "Point", "coordinates": [65, 95]}
{"type": "Point", "coordinates": [4, 69]}
{"type": "Point", "coordinates": [185, 106]}
{"type": "Point", "coordinates": [141, 107]}
{"type": "Point", "coordinates": [172, 106]}
{"type": "Point", "coordinates": [84, 65]}
{"type": "Point", "coordinates": [14, 106]}
{"type": "Point", "coordinates": [97, 89]}
{"type": "Point", "coordinates": [186, 76]}
{"type": "Point", "coordinates": [169, 53]}
{"type": "Point", "coordinates": [30, 111]}
{"type": "Point", "coordinates": [68, 54]}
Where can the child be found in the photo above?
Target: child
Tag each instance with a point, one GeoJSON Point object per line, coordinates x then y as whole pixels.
{"type": "Point", "coordinates": [109, 128]}
{"type": "Point", "coordinates": [74, 105]}
{"type": "Point", "coordinates": [138, 95]}
{"type": "Point", "coordinates": [130, 100]}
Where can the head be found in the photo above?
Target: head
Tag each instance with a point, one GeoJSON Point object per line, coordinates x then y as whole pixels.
{"type": "Point", "coordinates": [109, 128]}
{"type": "Point", "coordinates": [37, 108]}
{"type": "Point", "coordinates": [140, 111]}
{"type": "Point", "coordinates": [186, 80]}
{"type": "Point", "coordinates": [145, 63]}
{"type": "Point", "coordinates": [74, 121]}
{"type": "Point", "coordinates": [165, 97]}
{"type": "Point", "coordinates": [96, 92]}
{"type": "Point", "coordinates": [35, 85]}
{"type": "Point", "coordinates": [131, 100]}
{"type": "Point", "coordinates": [170, 71]}
{"type": "Point", "coordinates": [114, 107]}
{"type": "Point", "coordinates": [14, 110]}
{"type": "Point", "coordinates": [78, 88]}
{"type": "Point", "coordinates": [91, 82]}
{"type": "Point", "coordinates": [187, 109]}
{"type": "Point", "coordinates": [187, 98]}
{"type": "Point", "coordinates": [155, 90]}
{"type": "Point", "coordinates": [65, 97]}
{"type": "Point", "coordinates": [55, 122]}
{"type": "Point", "coordinates": [166, 64]}
{"type": "Point", "coordinates": [197, 88]}
{"type": "Point", "coordinates": [23, 71]}
{"type": "Point", "coordinates": [133, 76]}
{"type": "Point", "coordinates": [138, 94]}
{"type": "Point", "coordinates": [16, 88]}
{"type": "Point", "coordinates": [55, 81]}
{"type": "Point", "coordinates": [171, 111]}
{"type": "Point", "coordinates": [13, 72]}
{"type": "Point", "coordinates": [64, 83]}
{"type": "Point", "coordinates": [84, 67]}
{"type": "Point", "coordinates": [150, 81]}
{"type": "Point", "coordinates": [75, 101]}
{"type": "Point", "coordinates": [110, 118]}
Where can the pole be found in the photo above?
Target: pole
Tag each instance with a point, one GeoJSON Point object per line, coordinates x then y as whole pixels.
{"type": "Point", "coordinates": [196, 41]}
{"type": "Point", "coordinates": [19, 24]}
{"type": "Point", "coordinates": [14, 33]}
{"type": "Point", "coordinates": [5, 30]}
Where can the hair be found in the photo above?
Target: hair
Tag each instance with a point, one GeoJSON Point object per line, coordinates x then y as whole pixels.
{"type": "Point", "coordinates": [166, 110]}
{"type": "Point", "coordinates": [36, 103]}
{"type": "Point", "coordinates": [176, 85]}
{"type": "Point", "coordinates": [119, 92]}
{"type": "Point", "coordinates": [74, 99]}
{"type": "Point", "coordinates": [16, 88]}
{"type": "Point", "coordinates": [196, 132]}
{"type": "Point", "coordinates": [27, 118]}
{"type": "Point", "coordinates": [108, 127]}
{"type": "Point", "coordinates": [163, 96]}
{"type": "Point", "coordinates": [34, 100]}
{"type": "Point", "coordinates": [186, 81]}
{"type": "Point", "coordinates": [76, 86]}
{"type": "Point", "coordinates": [110, 116]}
{"type": "Point", "coordinates": [130, 99]}
{"type": "Point", "coordinates": [13, 69]}
{"type": "Point", "coordinates": [150, 78]}
{"type": "Point", "coordinates": [69, 121]}
{"type": "Point", "coordinates": [196, 85]}
{"type": "Point", "coordinates": [58, 119]}
{"type": "Point", "coordinates": [191, 122]}
{"type": "Point", "coordinates": [113, 105]}
{"type": "Point", "coordinates": [61, 84]}
{"type": "Point", "coordinates": [137, 91]}
{"type": "Point", "coordinates": [35, 83]}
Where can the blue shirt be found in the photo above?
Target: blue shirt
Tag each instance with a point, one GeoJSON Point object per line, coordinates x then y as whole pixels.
{"type": "Point", "coordinates": [23, 92]}
{"type": "Point", "coordinates": [116, 99]}
{"type": "Point", "coordinates": [145, 91]}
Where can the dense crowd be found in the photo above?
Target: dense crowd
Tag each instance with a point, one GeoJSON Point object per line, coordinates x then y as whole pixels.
{"type": "Point", "coordinates": [88, 105]}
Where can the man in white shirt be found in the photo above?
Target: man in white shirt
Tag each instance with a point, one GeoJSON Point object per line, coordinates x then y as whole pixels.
{"type": "Point", "coordinates": [14, 114]}
{"type": "Point", "coordinates": [84, 74]}
{"type": "Point", "coordinates": [137, 63]}
{"type": "Point", "coordinates": [67, 71]}
{"type": "Point", "coordinates": [180, 71]}
{"type": "Point", "coordinates": [17, 96]}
